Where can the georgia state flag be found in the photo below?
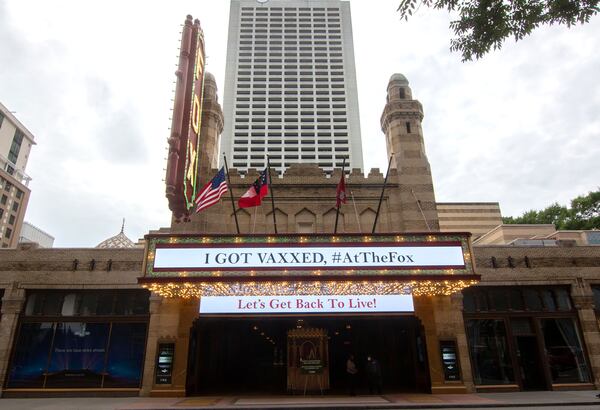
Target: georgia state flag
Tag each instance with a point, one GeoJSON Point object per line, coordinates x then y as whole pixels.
{"type": "Point", "coordinates": [258, 190]}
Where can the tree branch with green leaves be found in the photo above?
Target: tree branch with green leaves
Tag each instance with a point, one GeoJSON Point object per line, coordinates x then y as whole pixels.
{"type": "Point", "coordinates": [584, 214]}
{"type": "Point", "coordinates": [485, 25]}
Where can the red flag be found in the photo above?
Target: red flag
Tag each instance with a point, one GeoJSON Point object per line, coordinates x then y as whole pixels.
{"type": "Point", "coordinates": [340, 193]}
{"type": "Point", "coordinates": [258, 190]}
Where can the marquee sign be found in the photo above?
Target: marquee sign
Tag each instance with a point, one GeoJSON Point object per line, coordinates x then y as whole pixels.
{"type": "Point", "coordinates": [306, 304]}
{"type": "Point", "coordinates": [317, 264]}
{"type": "Point", "coordinates": [319, 256]}
{"type": "Point", "coordinates": [182, 165]}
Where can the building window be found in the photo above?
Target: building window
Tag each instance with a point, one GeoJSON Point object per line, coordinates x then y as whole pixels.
{"type": "Point", "coordinates": [489, 352]}
{"type": "Point", "coordinates": [87, 303]}
{"type": "Point", "coordinates": [15, 147]}
{"type": "Point", "coordinates": [103, 347]}
{"type": "Point", "coordinates": [596, 292]}
{"type": "Point", "coordinates": [525, 335]}
{"type": "Point", "coordinates": [505, 299]}
{"type": "Point", "coordinates": [565, 356]}
{"type": "Point", "coordinates": [7, 233]}
{"type": "Point", "coordinates": [15, 206]}
{"type": "Point", "coordinates": [11, 220]}
{"type": "Point", "coordinates": [3, 200]}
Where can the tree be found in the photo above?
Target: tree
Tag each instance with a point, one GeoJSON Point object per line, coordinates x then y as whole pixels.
{"type": "Point", "coordinates": [584, 213]}
{"type": "Point", "coordinates": [554, 214]}
{"type": "Point", "coordinates": [484, 25]}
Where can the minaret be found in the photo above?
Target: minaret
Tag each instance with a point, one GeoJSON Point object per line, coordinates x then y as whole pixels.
{"type": "Point", "coordinates": [210, 131]}
{"type": "Point", "coordinates": [401, 123]}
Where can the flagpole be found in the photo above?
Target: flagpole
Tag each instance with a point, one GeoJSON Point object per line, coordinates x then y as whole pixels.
{"type": "Point", "coordinates": [237, 225]}
{"type": "Point", "coordinates": [272, 194]}
{"type": "Point", "coordinates": [382, 191]}
{"type": "Point", "coordinates": [356, 212]}
{"type": "Point", "coordinates": [421, 210]}
{"type": "Point", "coordinates": [337, 212]}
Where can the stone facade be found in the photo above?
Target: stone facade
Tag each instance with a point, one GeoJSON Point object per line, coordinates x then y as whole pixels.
{"type": "Point", "coordinates": [476, 217]}
{"type": "Point", "coordinates": [578, 268]}
{"type": "Point", "coordinates": [29, 268]}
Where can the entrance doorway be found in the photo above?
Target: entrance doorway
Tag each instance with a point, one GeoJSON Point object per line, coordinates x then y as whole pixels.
{"type": "Point", "coordinates": [250, 354]}
{"type": "Point", "coordinates": [530, 365]}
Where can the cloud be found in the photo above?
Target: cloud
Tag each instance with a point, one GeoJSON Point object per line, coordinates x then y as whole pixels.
{"type": "Point", "coordinates": [92, 139]}
{"type": "Point", "coordinates": [116, 134]}
{"type": "Point", "coordinates": [519, 126]}
{"type": "Point", "coordinates": [119, 139]}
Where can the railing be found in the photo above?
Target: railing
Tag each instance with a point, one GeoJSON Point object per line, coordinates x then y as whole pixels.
{"type": "Point", "coordinates": [11, 168]}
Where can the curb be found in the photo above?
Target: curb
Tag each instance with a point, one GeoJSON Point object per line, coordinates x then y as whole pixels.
{"type": "Point", "coordinates": [388, 406]}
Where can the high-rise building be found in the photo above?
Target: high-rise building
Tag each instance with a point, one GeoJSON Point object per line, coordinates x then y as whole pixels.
{"type": "Point", "coordinates": [15, 143]}
{"type": "Point", "coordinates": [32, 234]}
{"type": "Point", "coordinates": [290, 85]}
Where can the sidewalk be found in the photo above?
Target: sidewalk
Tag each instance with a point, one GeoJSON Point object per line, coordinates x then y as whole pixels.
{"type": "Point", "coordinates": [581, 399]}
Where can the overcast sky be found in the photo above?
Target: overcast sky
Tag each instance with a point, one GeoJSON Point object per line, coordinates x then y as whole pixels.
{"type": "Point", "coordinates": [93, 81]}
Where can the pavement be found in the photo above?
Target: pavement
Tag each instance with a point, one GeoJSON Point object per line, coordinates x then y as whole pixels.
{"type": "Point", "coordinates": [571, 400]}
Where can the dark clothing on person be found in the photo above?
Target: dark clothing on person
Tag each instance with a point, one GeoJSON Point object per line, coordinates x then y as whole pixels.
{"type": "Point", "coordinates": [374, 376]}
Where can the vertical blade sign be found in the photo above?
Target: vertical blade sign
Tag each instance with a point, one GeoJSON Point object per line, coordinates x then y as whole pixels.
{"type": "Point", "coordinates": [193, 140]}
{"type": "Point", "coordinates": [182, 163]}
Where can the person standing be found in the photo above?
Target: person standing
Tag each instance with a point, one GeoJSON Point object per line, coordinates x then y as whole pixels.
{"type": "Point", "coordinates": [374, 375]}
{"type": "Point", "coordinates": [351, 374]}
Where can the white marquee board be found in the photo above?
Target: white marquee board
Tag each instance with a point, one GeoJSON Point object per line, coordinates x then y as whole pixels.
{"type": "Point", "coordinates": [306, 304]}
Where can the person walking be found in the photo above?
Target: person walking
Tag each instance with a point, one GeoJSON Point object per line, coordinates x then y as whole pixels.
{"type": "Point", "coordinates": [351, 374]}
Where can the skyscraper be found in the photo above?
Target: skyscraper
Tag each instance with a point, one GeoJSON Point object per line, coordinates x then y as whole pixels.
{"type": "Point", "coordinates": [290, 85]}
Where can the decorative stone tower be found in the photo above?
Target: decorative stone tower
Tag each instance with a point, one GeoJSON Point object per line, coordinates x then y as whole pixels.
{"type": "Point", "coordinates": [208, 155]}
{"type": "Point", "coordinates": [210, 132]}
{"type": "Point", "coordinates": [401, 123]}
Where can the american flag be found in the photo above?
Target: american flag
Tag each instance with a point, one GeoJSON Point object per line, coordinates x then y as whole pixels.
{"type": "Point", "coordinates": [212, 192]}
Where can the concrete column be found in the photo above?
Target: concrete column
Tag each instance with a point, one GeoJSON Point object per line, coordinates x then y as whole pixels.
{"type": "Point", "coordinates": [151, 345]}
{"type": "Point", "coordinates": [583, 300]}
{"type": "Point", "coordinates": [188, 312]}
{"type": "Point", "coordinates": [12, 304]}
{"type": "Point", "coordinates": [424, 310]}
{"type": "Point", "coordinates": [456, 313]}
{"type": "Point", "coordinates": [170, 321]}
{"type": "Point", "coordinates": [442, 319]}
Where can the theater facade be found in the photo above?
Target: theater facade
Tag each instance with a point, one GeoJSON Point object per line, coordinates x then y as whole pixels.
{"type": "Point", "coordinates": [199, 308]}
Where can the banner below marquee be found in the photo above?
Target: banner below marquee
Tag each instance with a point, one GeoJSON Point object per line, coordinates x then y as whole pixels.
{"type": "Point", "coordinates": [245, 305]}
{"type": "Point", "coordinates": [316, 264]}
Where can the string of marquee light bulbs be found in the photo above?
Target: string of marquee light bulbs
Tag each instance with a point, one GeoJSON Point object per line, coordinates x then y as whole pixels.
{"type": "Point", "coordinates": [416, 288]}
